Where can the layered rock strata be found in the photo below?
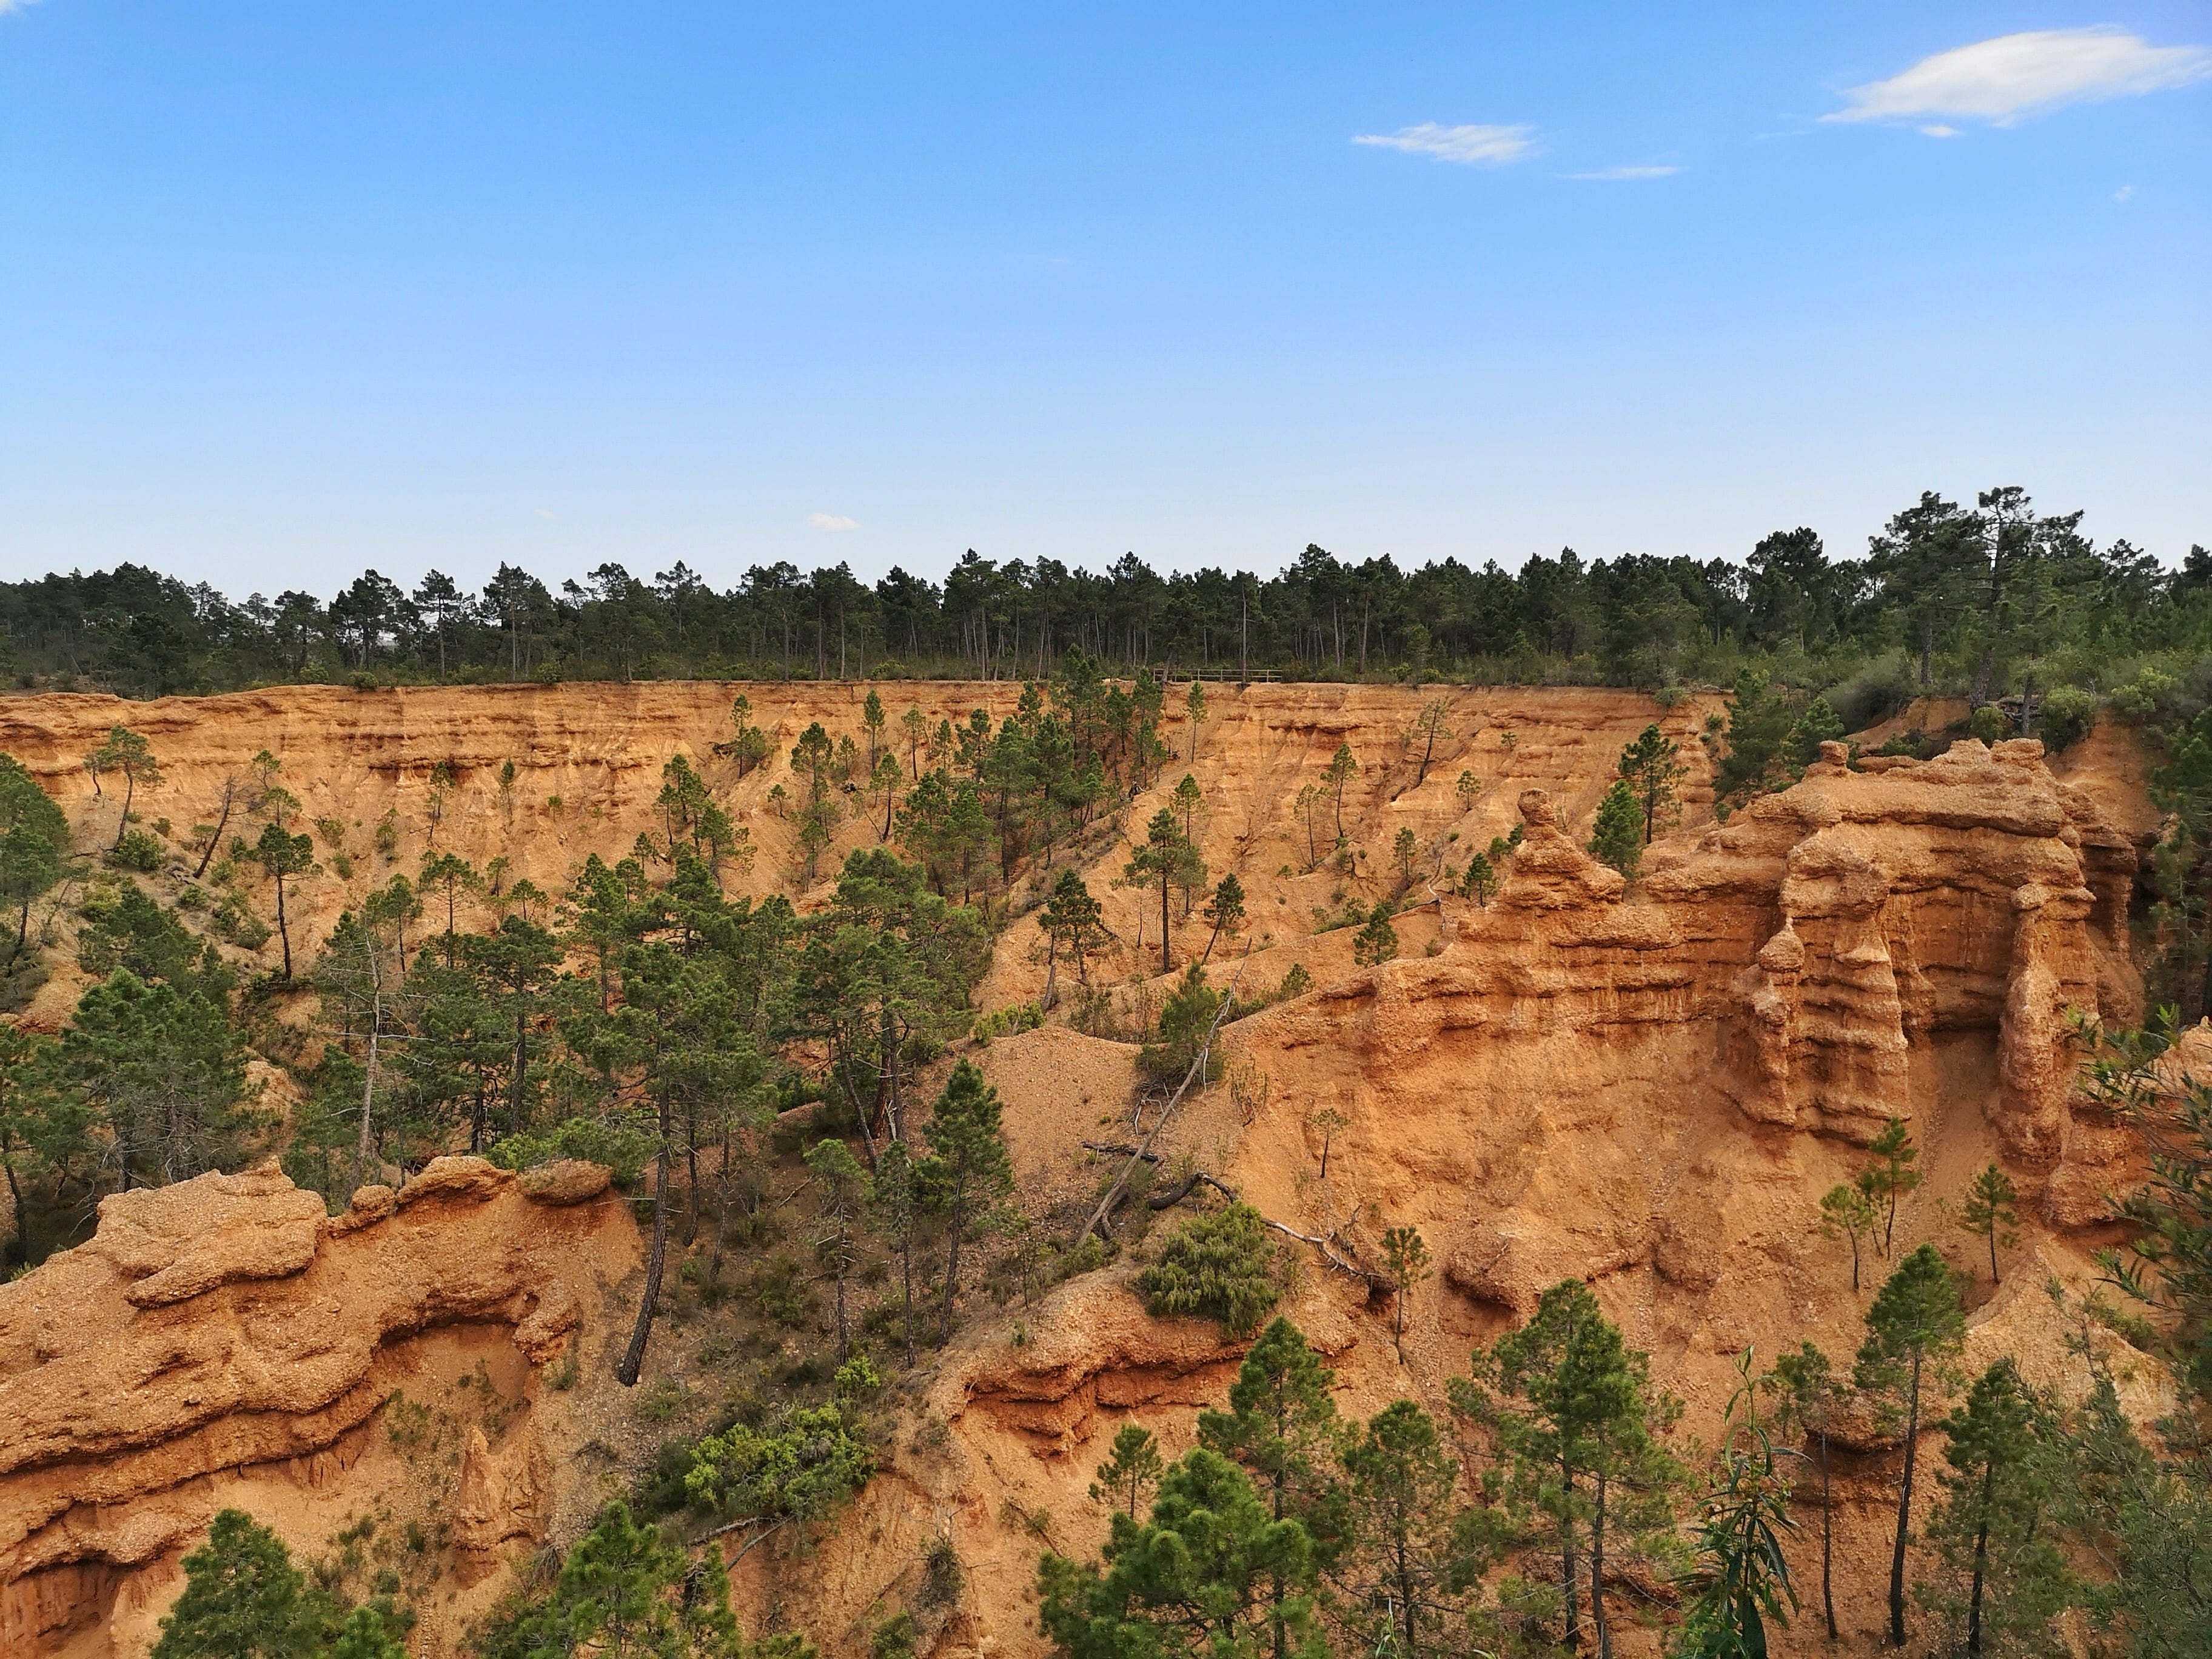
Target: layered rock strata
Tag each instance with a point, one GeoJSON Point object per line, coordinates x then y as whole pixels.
{"type": "Point", "coordinates": [226, 1324]}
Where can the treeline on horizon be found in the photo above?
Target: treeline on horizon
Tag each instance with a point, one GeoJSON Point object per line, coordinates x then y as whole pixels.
{"type": "Point", "coordinates": [1979, 600]}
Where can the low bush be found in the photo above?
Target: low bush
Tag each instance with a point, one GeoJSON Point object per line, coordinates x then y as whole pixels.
{"type": "Point", "coordinates": [1222, 1266]}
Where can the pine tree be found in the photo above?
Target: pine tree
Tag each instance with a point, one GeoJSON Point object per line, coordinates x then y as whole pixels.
{"type": "Point", "coordinates": [1075, 921]}
{"type": "Point", "coordinates": [1916, 1324]}
{"type": "Point", "coordinates": [1617, 837]}
{"type": "Point", "coordinates": [622, 1591]}
{"type": "Point", "coordinates": [281, 855]}
{"type": "Point", "coordinates": [1467, 789]}
{"type": "Point", "coordinates": [1406, 1262]}
{"type": "Point", "coordinates": [1132, 1473]}
{"type": "Point", "coordinates": [884, 781]}
{"type": "Point", "coordinates": [872, 721]}
{"type": "Point", "coordinates": [1377, 942]}
{"type": "Point", "coordinates": [1427, 730]}
{"type": "Point", "coordinates": [1892, 1176]}
{"type": "Point", "coordinates": [366, 1635]}
{"type": "Point", "coordinates": [1189, 800]}
{"type": "Point", "coordinates": [1221, 1266]}
{"type": "Point", "coordinates": [843, 1187]}
{"type": "Point", "coordinates": [971, 1169]}
{"type": "Point", "coordinates": [1480, 881]}
{"type": "Point", "coordinates": [1846, 1212]}
{"type": "Point", "coordinates": [1405, 849]}
{"type": "Point", "coordinates": [1166, 859]}
{"type": "Point", "coordinates": [1651, 767]}
{"type": "Point", "coordinates": [1343, 767]}
{"type": "Point", "coordinates": [1282, 1427]}
{"type": "Point", "coordinates": [1577, 1426]}
{"type": "Point", "coordinates": [1282, 1424]}
{"type": "Point", "coordinates": [1988, 1212]}
{"type": "Point", "coordinates": [1811, 1397]}
{"type": "Point", "coordinates": [1225, 910]}
{"type": "Point", "coordinates": [895, 1205]}
{"type": "Point", "coordinates": [1989, 1529]}
{"type": "Point", "coordinates": [34, 848]}
{"type": "Point", "coordinates": [243, 1599]}
{"type": "Point", "coordinates": [1194, 708]}
{"type": "Point", "coordinates": [128, 752]}
{"type": "Point", "coordinates": [914, 730]}
{"type": "Point", "coordinates": [1210, 1572]}
{"type": "Point", "coordinates": [1408, 1571]}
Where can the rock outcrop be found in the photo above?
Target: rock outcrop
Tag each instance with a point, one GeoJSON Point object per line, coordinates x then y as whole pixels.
{"type": "Point", "coordinates": [226, 1325]}
{"type": "Point", "coordinates": [1649, 1086]}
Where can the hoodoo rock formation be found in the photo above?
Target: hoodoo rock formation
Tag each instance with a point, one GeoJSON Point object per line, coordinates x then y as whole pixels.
{"type": "Point", "coordinates": [222, 1341]}
{"type": "Point", "coordinates": [1578, 1069]}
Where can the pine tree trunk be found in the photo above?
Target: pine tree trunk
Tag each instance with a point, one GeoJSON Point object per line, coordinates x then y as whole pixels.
{"type": "Point", "coordinates": [214, 841]}
{"type": "Point", "coordinates": [953, 1228]}
{"type": "Point", "coordinates": [1568, 1580]}
{"type": "Point", "coordinates": [1597, 1574]}
{"type": "Point", "coordinates": [633, 1359]}
{"type": "Point", "coordinates": [1827, 1543]}
{"type": "Point", "coordinates": [283, 933]}
{"type": "Point", "coordinates": [1903, 1512]}
{"type": "Point", "coordinates": [1981, 1564]}
{"type": "Point", "coordinates": [367, 1097]}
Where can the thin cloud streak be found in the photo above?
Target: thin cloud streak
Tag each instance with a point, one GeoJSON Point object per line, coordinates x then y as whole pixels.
{"type": "Point", "coordinates": [830, 521]}
{"type": "Point", "coordinates": [1648, 171]}
{"type": "Point", "coordinates": [1467, 146]}
{"type": "Point", "coordinates": [2006, 80]}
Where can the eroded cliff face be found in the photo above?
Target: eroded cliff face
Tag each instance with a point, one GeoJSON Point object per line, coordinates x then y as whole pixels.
{"type": "Point", "coordinates": [223, 1342]}
{"type": "Point", "coordinates": [384, 777]}
{"type": "Point", "coordinates": [1650, 1087]}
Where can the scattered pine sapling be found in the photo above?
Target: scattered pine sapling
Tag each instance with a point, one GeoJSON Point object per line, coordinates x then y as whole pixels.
{"type": "Point", "coordinates": [1131, 1473]}
{"type": "Point", "coordinates": [1988, 1212]}
{"type": "Point", "coordinates": [1405, 1260]}
{"type": "Point", "coordinates": [1846, 1212]}
{"type": "Point", "coordinates": [1480, 881]}
{"type": "Point", "coordinates": [1892, 1176]}
{"type": "Point", "coordinates": [1225, 910]}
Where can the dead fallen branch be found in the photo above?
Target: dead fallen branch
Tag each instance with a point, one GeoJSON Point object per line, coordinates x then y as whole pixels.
{"type": "Point", "coordinates": [1123, 1148]}
{"type": "Point", "coordinates": [1169, 1200]}
{"type": "Point", "coordinates": [1097, 1222]}
{"type": "Point", "coordinates": [1327, 1247]}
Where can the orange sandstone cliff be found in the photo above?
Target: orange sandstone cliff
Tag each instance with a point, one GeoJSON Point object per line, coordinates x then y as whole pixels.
{"type": "Point", "coordinates": [1649, 1087]}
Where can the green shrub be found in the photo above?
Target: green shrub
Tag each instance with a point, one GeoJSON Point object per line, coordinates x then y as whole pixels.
{"type": "Point", "coordinates": [1009, 1021]}
{"type": "Point", "coordinates": [801, 1464]}
{"type": "Point", "coordinates": [1185, 1020]}
{"type": "Point", "coordinates": [136, 851]}
{"type": "Point", "coordinates": [1222, 1266]}
{"type": "Point", "coordinates": [2065, 718]}
{"type": "Point", "coordinates": [621, 1145]}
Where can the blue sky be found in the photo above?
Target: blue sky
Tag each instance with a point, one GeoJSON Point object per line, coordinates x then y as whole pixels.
{"type": "Point", "coordinates": [286, 289]}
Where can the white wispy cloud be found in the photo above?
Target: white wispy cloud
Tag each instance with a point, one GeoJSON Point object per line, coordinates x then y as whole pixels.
{"type": "Point", "coordinates": [2123, 192]}
{"type": "Point", "coordinates": [544, 512]}
{"type": "Point", "coordinates": [1471, 146]}
{"type": "Point", "coordinates": [2006, 80]}
{"type": "Point", "coordinates": [830, 521]}
{"type": "Point", "coordinates": [7, 6]}
{"type": "Point", "coordinates": [1652, 170]}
